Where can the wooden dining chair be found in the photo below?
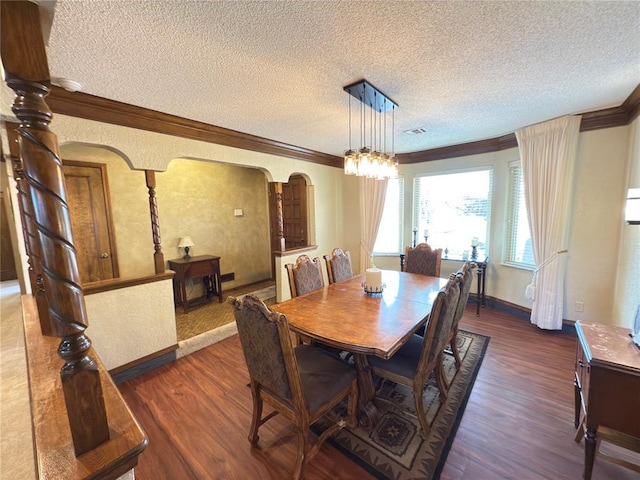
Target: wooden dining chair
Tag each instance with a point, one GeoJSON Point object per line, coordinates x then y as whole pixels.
{"type": "Point", "coordinates": [465, 278]}
{"type": "Point", "coordinates": [301, 383]}
{"type": "Point", "coordinates": [420, 356]}
{"type": "Point", "coordinates": [338, 266]}
{"type": "Point", "coordinates": [422, 259]}
{"type": "Point", "coordinates": [304, 276]}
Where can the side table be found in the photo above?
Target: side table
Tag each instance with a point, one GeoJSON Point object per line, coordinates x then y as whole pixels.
{"type": "Point", "coordinates": [482, 277]}
{"type": "Point", "coordinates": [206, 267]}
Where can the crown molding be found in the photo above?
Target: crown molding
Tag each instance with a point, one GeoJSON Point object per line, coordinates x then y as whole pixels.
{"type": "Point", "coordinates": [461, 150]}
{"type": "Point", "coordinates": [90, 107]}
{"type": "Point", "coordinates": [596, 120]}
{"type": "Point", "coordinates": [632, 104]}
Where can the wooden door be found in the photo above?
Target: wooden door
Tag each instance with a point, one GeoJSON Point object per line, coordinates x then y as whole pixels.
{"type": "Point", "coordinates": [91, 223]}
{"type": "Point", "coordinates": [294, 211]}
{"type": "Point", "coordinates": [7, 260]}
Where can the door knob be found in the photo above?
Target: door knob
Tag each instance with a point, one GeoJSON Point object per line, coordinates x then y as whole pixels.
{"type": "Point", "coordinates": [104, 255]}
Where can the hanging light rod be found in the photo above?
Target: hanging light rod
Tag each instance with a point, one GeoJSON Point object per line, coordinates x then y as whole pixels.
{"type": "Point", "coordinates": [373, 159]}
{"type": "Point", "coordinates": [371, 96]}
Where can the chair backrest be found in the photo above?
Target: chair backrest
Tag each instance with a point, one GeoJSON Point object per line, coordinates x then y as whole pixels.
{"type": "Point", "coordinates": [423, 259]}
{"type": "Point", "coordinates": [465, 277]}
{"type": "Point", "coordinates": [438, 327]}
{"type": "Point", "coordinates": [267, 347]}
{"type": "Point", "coordinates": [338, 266]}
{"type": "Point", "coordinates": [305, 276]}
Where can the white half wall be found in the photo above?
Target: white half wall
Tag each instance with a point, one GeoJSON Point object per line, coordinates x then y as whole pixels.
{"type": "Point", "coordinates": [130, 323]}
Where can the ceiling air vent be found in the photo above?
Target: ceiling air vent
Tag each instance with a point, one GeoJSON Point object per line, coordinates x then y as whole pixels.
{"type": "Point", "coordinates": [416, 131]}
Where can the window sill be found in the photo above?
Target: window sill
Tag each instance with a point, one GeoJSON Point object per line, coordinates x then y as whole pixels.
{"type": "Point", "coordinates": [519, 266]}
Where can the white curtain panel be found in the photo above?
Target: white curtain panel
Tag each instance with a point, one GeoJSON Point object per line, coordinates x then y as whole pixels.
{"type": "Point", "coordinates": [548, 153]}
{"type": "Point", "coordinates": [372, 195]}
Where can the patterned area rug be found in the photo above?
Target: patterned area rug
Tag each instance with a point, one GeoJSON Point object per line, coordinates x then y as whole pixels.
{"type": "Point", "coordinates": [395, 448]}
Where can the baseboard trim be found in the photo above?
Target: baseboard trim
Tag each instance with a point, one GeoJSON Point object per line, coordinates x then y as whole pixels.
{"type": "Point", "coordinates": [522, 313]}
{"type": "Point", "coordinates": [238, 287]}
{"type": "Point", "coordinates": [143, 365]}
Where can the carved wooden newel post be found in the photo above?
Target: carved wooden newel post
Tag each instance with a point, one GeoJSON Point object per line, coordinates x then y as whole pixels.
{"type": "Point", "coordinates": [27, 73]}
{"type": "Point", "coordinates": [29, 233]}
{"type": "Point", "coordinates": [281, 239]}
{"type": "Point", "coordinates": [158, 256]}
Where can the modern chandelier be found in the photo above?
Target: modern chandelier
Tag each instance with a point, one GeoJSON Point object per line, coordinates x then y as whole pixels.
{"type": "Point", "coordinates": [373, 159]}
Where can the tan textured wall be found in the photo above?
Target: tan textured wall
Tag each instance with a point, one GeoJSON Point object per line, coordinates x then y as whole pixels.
{"type": "Point", "coordinates": [195, 198]}
{"type": "Point", "coordinates": [597, 217]}
{"type": "Point", "coordinates": [596, 262]}
{"type": "Point", "coordinates": [198, 199]}
{"type": "Point", "coordinates": [627, 298]}
{"type": "Point", "coordinates": [159, 152]}
{"type": "Point", "coordinates": [129, 207]}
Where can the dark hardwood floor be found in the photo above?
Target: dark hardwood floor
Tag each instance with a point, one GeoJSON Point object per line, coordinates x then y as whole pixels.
{"type": "Point", "coordinates": [518, 423]}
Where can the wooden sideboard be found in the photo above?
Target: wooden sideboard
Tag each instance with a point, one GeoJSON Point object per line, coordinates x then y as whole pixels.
{"type": "Point", "coordinates": [607, 387]}
{"type": "Point", "coordinates": [206, 267]}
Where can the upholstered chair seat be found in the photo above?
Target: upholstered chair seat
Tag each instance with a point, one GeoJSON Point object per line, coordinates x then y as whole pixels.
{"type": "Point", "coordinates": [405, 360]}
{"type": "Point", "coordinates": [321, 376]}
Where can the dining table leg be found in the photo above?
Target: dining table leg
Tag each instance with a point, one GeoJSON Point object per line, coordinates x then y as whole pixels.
{"type": "Point", "coordinates": [368, 415]}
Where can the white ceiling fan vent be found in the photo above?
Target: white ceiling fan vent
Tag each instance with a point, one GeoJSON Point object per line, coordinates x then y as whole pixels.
{"type": "Point", "coordinates": [416, 131]}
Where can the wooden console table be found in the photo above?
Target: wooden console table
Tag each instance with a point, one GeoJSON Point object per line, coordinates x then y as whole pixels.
{"type": "Point", "coordinates": [607, 388]}
{"type": "Point", "coordinates": [206, 267]}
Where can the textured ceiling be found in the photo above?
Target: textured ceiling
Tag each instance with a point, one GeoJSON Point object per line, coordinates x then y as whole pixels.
{"type": "Point", "coordinates": [463, 71]}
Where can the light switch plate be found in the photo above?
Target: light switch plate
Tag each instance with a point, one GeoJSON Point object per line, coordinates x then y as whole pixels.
{"type": "Point", "coordinates": [238, 212]}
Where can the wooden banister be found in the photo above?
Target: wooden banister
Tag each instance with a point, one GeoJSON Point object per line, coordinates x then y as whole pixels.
{"type": "Point", "coordinates": [80, 384]}
{"type": "Point", "coordinates": [55, 455]}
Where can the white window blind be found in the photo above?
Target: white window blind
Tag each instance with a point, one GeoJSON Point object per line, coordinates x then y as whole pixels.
{"type": "Point", "coordinates": [518, 250]}
{"type": "Point", "coordinates": [389, 239]}
{"type": "Point", "coordinates": [454, 208]}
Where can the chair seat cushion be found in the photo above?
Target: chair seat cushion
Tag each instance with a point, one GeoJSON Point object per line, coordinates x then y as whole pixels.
{"type": "Point", "coordinates": [322, 376]}
{"type": "Point", "coordinates": [405, 361]}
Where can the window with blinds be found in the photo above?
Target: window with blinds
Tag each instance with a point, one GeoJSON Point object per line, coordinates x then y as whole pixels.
{"type": "Point", "coordinates": [454, 209]}
{"type": "Point", "coordinates": [518, 250]}
{"type": "Point", "coordinates": [389, 239]}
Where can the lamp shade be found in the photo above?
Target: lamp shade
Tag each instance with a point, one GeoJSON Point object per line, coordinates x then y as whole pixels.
{"type": "Point", "coordinates": [185, 242]}
{"type": "Point", "coordinates": [632, 214]}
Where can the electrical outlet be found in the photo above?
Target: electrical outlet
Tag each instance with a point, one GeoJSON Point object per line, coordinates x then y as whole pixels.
{"type": "Point", "coordinates": [579, 306]}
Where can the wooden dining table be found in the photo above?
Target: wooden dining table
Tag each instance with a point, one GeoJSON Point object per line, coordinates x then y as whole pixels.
{"type": "Point", "coordinates": [344, 316]}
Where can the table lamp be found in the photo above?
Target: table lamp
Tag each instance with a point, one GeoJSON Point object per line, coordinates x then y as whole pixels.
{"type": "Point", "coordinates": [186, 242]}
